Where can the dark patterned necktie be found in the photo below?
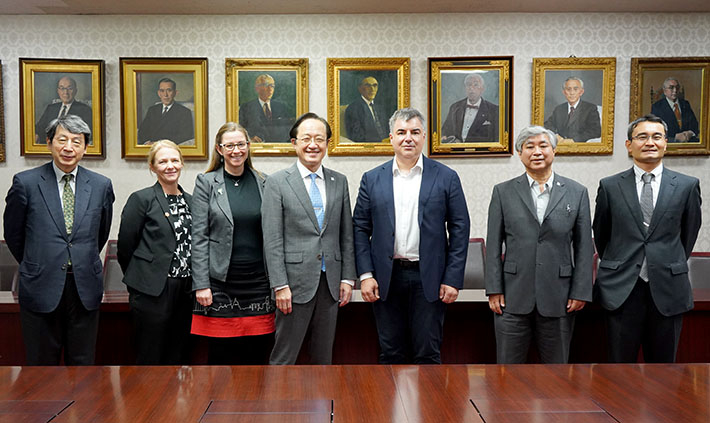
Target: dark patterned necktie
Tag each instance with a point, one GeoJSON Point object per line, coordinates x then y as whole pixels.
{"type": "Point", "coordinates": [68, 202]}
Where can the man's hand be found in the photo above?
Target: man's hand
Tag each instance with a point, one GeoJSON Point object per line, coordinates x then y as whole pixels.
{"type": "Point", "coordinates": [684, 136]}
{"type": "Point", "coordinates": [346, 291]}
{"type": "Point", "coordinates": [283, 300]}
{"type": "Point", "coordinates": [496, 302]}
{"type": "Point", "coordinates": [204, 296]}
{"type": "Point", "coordinates": [574, 305]}
{"type": "Point", "coordinates": [369, 290]}
{"type": "Point", "coordinates": [447, 293]}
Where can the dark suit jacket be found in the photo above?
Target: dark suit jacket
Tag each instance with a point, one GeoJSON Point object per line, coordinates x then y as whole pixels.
{"type": "Point", "coordinates": [484, 127]}
{"type": "Point", "coordinates": [545, 264]}
{"type": "Point", "coordinates": [622, 241]}
{"type": "Point", "coordinates": [583, 126]}
{"type": "Point", "coordinates": [663, 110]}
{"type": "Point", "coordinates": [176, 125]}
{"type": "Point", "coordinates": [146, 239]}
{"type": "Point", "coordinates": [442, 212]}
{"type": "Point", "coordinates": [251, 116]}
{"type": "Point", "coordinates": [293, 242]}
{"type": "Point", "coordinates": [52, 111]}
{"type": "Point", "coordinates": [359, 124]}
{"type": "Point", "coordinates": [37, 237]}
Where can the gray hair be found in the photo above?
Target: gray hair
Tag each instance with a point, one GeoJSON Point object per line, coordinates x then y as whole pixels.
{"type": "Point", "coordinates": [406, 115]}
{"type": "Point", "coordinates": [532, 131]}
{"type": "Point", "coordinates": [470, 76]}
{"type": "Point", "coordinates": [647, 118]}
{"type": "Point", "coordinates": [71, 123]}
{"type": "Point", "coordinates": [670, 78]}
{"type": "Point", "coordinates": [573, 78]}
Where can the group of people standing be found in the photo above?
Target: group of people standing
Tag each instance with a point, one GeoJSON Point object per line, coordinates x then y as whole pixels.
{"type": "Point", "coordinates": [260, 265]}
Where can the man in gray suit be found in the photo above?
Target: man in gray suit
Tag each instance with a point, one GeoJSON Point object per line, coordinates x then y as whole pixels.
{"type": "Point", "coordinates": [646, 222]}
{"type": "Point", "coordinates": [543, 220]}
{"type": "Point", "coordinates": [308, 237]}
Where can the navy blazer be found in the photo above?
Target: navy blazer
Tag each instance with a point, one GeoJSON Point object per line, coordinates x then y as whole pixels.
{"type": "Point", "coordinates": [37, 237]}
{"type": "Point", "coordinates": [663, 110]}
{"type": "Point", "coordinates": [442, 211]}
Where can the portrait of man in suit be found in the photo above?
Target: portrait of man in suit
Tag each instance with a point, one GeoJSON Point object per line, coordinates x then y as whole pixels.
{"type": "Point", "coordinates": [575, 120]}
{"type": "Point", "coordinates": [308, 234]}
{"type": "Point", "coordinates": [266, 119]}
{"type": "Point", "coordinates": [167, 119]}
{"type": "Point", "coordinates": [472, 119]}
{"type": "Point", "coordinates": [646, 222]}
{"type": "Point", "coordinates": [366, 119]}
{"type": "Point", "coordinates": [57, 219]}
{"type": "Point", "coordinates": [677, 113]}
{"type": "Point", "coordinates": [66, 103]}
{"type": "Point", "coordinates": [541, 221]}
{"type": "Point", "coordinates": [411, 239]}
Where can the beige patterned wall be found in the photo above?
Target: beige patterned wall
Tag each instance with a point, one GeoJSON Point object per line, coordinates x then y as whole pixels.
{"type": "Point", "coordinates": [317, 37]}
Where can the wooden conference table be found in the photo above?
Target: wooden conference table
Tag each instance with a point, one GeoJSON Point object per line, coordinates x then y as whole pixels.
{"type": "Point", "coordinates": [358, 393]}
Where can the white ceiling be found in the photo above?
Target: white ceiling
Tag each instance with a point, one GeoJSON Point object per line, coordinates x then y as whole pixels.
{"type": "Point", "coordinates": [250, 7]}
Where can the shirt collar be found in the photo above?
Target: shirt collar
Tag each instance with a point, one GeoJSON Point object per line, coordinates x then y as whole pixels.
{"type": "Point", "coordinates": [262, 102]}
{"type": "Point", "coordinates": [60, 173]}
{"type": "Point", "coordinates": [477, 103]}
{"type": "Point", "coordinates": [569, 106]}
{"type": "Point", "coordinates": [672, 103]}
{"type": "Point", "coordinates": [549, 181]}
{"type": "Point", "coordinates": [305, 173]}
{"type": "Point", "coordinates": [419, 165]}
{"type": "Point", "coordinates": [655, 172]}
{"type": "Point", "coordinates": [368, 101]}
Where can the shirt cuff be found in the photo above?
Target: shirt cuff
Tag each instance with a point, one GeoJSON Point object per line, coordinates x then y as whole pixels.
{"type": "Point", "coordinates": [348, 281]}
{"type": "Point", "coordinates": [366, 275]}
{"type": "Point", "coordinates": [279, 288]}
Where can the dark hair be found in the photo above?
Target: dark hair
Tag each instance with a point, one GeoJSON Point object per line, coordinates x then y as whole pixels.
{"type": "Point", "coordinates": [647, 118]}
{"type": "Point", "coordinates": [168, 80]}
{"type": "Point", "coordinates": [310, 115]}
{"type": "Point", "coordinates": [71, 123]}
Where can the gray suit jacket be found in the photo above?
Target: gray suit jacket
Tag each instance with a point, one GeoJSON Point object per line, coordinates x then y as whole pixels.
{"type": "Point", "coordinates": [212, 228]}
{"type": "Point", "coordinates": [294, 244]}
{"type": "Point", "coordinates": [545, 264]}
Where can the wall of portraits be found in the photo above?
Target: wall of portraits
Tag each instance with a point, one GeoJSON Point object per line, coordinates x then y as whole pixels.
{"type": "Point", "coordinates": [523, 36]}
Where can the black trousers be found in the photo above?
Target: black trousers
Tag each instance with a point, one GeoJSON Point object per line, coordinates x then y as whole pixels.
{"type": "Point", "coordinates": [162, 324]}
{"type": "Point", "coordinates": [251, 350]}
{"type": "Point", "coordinates": [70, 327]}
{"type": "Point", "coordinates": [638, 323]}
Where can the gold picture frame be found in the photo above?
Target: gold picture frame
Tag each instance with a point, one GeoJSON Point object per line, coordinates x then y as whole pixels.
{"type": "Point", "coordinates": [359, 128]}
{"type": "Point", "coordinates": [46, 85]}
{"type": "Point", "coordinates": [648, 95]}
{"type": "Point", "coordinates": [146, 91]}
{"type": "Point", "coordinates": [556, 82]}
{"type": "Point", "coordinates": [450, 80]}
{"type": "Point", "coordinates": [284, 84]}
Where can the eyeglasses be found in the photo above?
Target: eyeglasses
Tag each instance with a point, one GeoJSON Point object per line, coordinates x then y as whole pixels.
{"type": "Point", "coordinates": [74, 142]}
{"type": "Point", "coordinates": [231, 146]}
{"type": "Point", "coordinates": [308, 140]}
{"type": "Point", "coordinates": [646, 137]}
{"type": "Point", "coordinates": [265, 85]}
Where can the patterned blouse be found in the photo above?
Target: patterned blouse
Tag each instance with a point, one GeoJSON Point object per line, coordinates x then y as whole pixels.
{"type": "Point", "coordinates": [180, 266]}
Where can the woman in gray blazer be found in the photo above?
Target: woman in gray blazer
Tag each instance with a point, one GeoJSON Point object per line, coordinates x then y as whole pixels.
{"type": "Point", "coordinates": [154, 254]}
{"type": "Point", "coordinates": [233, 300]}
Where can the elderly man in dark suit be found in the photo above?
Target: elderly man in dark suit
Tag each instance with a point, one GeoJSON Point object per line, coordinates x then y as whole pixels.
{"type": "Point", "coordinates": [365, 120]}
{"type": "Point", "coordinates": [57, 219]}
{"type": "Point", "coordinates": [472, 119]}
{"type": "Point", "coordinates": [167, 120]}
{"type": "Point", "coordinates": [266, 119]}
{"type": "Point", "coordinates": [543, 220]}
{"type": "Point", "coordinates": [575, 120]}
{"type": "Point", "coordinates": [676, 113]}
{"type": "Point", "coordinates": [308, 237]}
{"type": "Point", "coordinates": [66, 90]}
{"type": "Point", "coordinates": [646, 222]}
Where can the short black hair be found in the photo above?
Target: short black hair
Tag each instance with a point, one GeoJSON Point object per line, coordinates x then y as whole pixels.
{"type": "Point", "coordinates": [310, 115]}
{"type": "Point", "coordinates": [168, 80]}
{"type": "Point", "coordinates": [646, 118]}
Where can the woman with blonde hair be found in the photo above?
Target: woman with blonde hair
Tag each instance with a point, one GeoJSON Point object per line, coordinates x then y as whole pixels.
{"type": "Point", "coordinates": [233, 299]}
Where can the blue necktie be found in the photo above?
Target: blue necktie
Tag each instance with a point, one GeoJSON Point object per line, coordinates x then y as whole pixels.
{"type": "Point", "coordinates": [317, 202]}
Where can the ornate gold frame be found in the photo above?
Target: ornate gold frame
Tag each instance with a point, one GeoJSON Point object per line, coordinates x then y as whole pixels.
{"type": "Point", "coordinates": [645, 73]}
{"type": "Point", "coordinates": [341, 146]}
{"type": "Point", "coordinates": [29, 69]}
{"type": "Point", "coordinates": [299, 66]}
{"type": "Point", "coordinates": [500, 147]}
{"type": "Point", "coordinates": [607, 65]}
{"type": "Point", "coordinates": [130, 67]}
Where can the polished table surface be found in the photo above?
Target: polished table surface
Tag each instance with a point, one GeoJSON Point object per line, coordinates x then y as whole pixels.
{"type": "Point", "coordinates": [358, 393]}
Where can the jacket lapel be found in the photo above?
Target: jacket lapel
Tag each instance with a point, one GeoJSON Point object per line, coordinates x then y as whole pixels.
{"type": "Point", "coordinates": [429, 174]}
{"type": "Point", "coordinates": [558, 192]}
{"type": "Point", "coordinates": [164, 206]}
{"type": "Point", "coordinates": [329, 196]}
{"type": "Point", "coordinates": [384, 182]}
{"type": "Point", "coordinates": [627, 185]}
{"type": "Point", "coordinates": [220, 195]}
{"type": "Point", "coordinates": [665, 194]}
{"type": "Point", "coordinates": [82, 195]}
{"type": "Point", "coordinates": [50, 192]}
{"type": "Point", "coordinates": [295, 181]}
{"type": "Point", "coordinates": [523, 190]}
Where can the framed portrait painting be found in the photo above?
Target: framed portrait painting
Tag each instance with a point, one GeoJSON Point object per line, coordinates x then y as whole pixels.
{"type": "Point", "coordinates": [470, 106]}
{"type": "Point", "coordinates": [51, 88]}
{"type": "Point", "coordinates": [574, 98]}
{"type": "Point", "coordinates": [164, 98]}
{"type": "Point", "coordinates": [265, 96]}
{"type": "Point", "coordinates": [362, 95]}
{"type": "Point", "coordinates": [676, 90]}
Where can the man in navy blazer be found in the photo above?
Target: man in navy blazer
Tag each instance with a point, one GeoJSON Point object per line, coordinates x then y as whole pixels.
{"type": "Point", "coordinates": [66, 91]}
{"type": "Point", "coordinates": [61, 278]}
{"type": "Point", "coordinates": [472, 119]}
{"type": "Point", "coordinates": [411, 230]}
{"type": "Point", "coordinates": [646, 222]}
{"type": "Point", "coordinates": [683, 129]}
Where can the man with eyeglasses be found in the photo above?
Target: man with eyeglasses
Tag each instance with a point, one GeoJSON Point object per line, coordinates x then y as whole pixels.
{"type": "Point", "coordinates": [265, 118]}
{"type": "Point", "coordinates": [676, 113]}
{"type": "Point", "coordinates": [472, 119]}
{"type": "Point", "coordinates": [366, 119]}
{"type": "Point", "coordinates": [308, 239]}
{"type": "Point", "coordinates": [65, 105]}
{"type": "Point", "coordinates": [167, 119]}
{"type": "Point", "coordinates": [645, 225]}
{"type": "Point", "coordinates": [575, 120]}
{"type": "Point", "coordinates": [57, 219]}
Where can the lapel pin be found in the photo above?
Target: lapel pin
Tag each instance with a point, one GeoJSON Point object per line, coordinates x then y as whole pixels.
{"type": "Point", "coordinates": [332, 179]}
{"type": "Point", "coordinates": [167, 214]}
{"type": "Point", "coordinates": [559, 184]}
{"type": "Point", "coordinates": [219, 191]}
{"type": "Point", "coordinates": [569, 209]}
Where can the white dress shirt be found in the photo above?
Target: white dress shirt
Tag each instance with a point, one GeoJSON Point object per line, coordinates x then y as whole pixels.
{"type": "Point", "coordinates": [540, 199]}
{"type": "Point", "coordinates": [569, 106]}
{"type": "Point", "coordinates": [60, 184]}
